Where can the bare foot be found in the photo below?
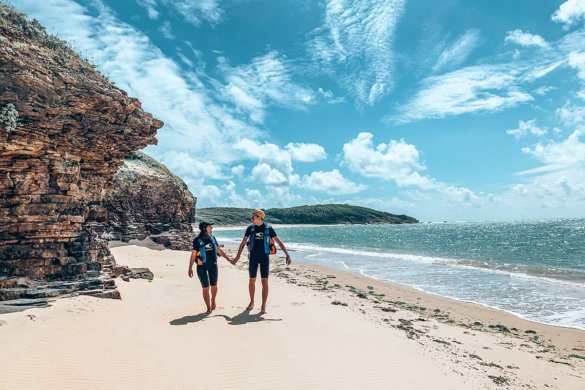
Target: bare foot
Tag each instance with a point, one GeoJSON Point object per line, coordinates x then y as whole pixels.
{"type": "Point", "coordinates": [250, 306]}
{"type": "Point", "coordinates": [263, 311]}
{"type": "Point", "coordinates": [208, 311]}
{"type": "Point", "coordinates": [213, 306]}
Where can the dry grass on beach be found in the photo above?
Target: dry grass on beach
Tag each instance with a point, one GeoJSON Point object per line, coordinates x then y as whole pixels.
{"type": "Point", "coordinates": [323, 329]}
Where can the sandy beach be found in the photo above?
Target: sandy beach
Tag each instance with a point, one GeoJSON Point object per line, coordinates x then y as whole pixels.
{"type": "Point", "coordinates": [323, 329]}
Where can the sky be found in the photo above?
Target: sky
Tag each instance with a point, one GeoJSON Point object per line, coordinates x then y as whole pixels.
{"type": "Point", "coordinates": [445, 111]}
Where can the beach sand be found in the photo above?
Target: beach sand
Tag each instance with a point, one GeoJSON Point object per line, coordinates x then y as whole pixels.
{"type": "Point", "coordinates": [323, 329]}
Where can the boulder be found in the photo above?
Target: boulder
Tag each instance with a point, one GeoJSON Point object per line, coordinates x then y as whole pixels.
{"type": "Point", "coordinates": [147, 200]}
{"type": "Point", "coordinates": [64, 133]}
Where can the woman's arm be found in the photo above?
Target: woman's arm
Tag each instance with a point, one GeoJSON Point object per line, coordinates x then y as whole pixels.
{"type": "Point", "coordinates": [194, 254]}
{"type": "Point", "coordinates": [222, 253]}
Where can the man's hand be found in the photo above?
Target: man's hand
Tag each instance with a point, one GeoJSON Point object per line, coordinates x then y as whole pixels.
{"type": "Point", "coordinates": [288, 259]}
{"type": "Point", "coordinates": [190, 272]}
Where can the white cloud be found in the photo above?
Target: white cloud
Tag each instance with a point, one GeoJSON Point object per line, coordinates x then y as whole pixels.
{"type": "Point", "coordinates": [331, 182]}
{"type": "Point", "coordinates": [473, 89]}
{"type": "Point", "coordinates": [396, 161]}
{"type": "Point", "coordinates": [571, 115]}
{"type": "Point", "coordinates": [238, 170]}
{"type": "Point", "coordinates": [458, 51]}
{"type": "Point", "coordinates": [522, 38]}
{"type": "Point", "coordinates": [306, 152]}
{"type": "Point", "coordinates": [192, 11]}
{"type": "Point", "coordinates": [150, 6]}
{"type": "Point", "coordinates": [568, 153]}
{"type": "Point", "coordinates": [274, 164]}
{"type": "Point", "coordinates": [577, 61]}
{"type": "Point", "coordinates": [400, 162]}
{"type": "Point", "coordinates": [570, 12]}
{"type": "Point", "coordinates": [329, 98]}
{"type": "Point", "coordinates": [267, 80]}
{"type": "Point", "coordinates": [355, 44]}
{"type": "Point", "coordinates": [265, 174]}
{"type": "Point", "coordinates": [166, 30]}
{"type": "Point", "coordinates": [524, 128]}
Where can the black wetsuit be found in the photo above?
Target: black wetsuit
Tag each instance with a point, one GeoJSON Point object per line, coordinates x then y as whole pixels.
{"type": "Point", "coordinates": [258, 255]}
{"type": "Point", "coordinates": [207, 272]}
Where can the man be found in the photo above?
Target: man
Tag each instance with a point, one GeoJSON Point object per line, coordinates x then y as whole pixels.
{"type": "Point", "coordinates": [259, 234]}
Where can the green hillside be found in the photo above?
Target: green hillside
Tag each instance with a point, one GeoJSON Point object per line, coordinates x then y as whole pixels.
{"type": "Point", "coordinates": [316, 214]}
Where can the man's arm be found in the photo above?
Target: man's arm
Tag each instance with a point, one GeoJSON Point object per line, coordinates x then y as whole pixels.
{"type": "Point", "coordinates": [281, 245]}
{"type": "Point", "coordinates": [240, 249]}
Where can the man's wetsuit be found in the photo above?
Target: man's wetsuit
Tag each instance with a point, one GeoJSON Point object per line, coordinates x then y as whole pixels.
{"type": "Point", "coordinates": [258, 255]}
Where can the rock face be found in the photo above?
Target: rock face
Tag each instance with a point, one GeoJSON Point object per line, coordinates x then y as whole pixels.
{"type": "Point", "coordinates": [73, 130]}
{"type": "Point", "coordinates": [147, 200]}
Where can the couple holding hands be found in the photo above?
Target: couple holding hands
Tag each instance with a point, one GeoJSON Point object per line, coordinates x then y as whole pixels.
{"type": "Point", "coordinates": [260, 238]}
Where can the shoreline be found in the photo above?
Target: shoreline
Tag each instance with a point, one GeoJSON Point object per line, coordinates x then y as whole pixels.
{"type": "Point", "coordinates": [413, 290]}
{"type": "Point", "coordinates": [322, 326]}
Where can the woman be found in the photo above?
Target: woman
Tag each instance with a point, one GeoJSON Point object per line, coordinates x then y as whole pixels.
{"type": "Point", "coordinates": [205, 252]}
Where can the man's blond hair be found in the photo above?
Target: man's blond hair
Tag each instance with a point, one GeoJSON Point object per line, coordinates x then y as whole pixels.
{"type": "Point", "coordinates": [259, 213]}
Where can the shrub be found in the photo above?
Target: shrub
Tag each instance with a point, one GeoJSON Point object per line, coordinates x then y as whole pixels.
{"type": "Point", "coordinates": [9, 117]}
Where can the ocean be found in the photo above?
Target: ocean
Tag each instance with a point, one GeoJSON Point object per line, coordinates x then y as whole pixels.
{"type": "Point", "coordinates": [533, 269]}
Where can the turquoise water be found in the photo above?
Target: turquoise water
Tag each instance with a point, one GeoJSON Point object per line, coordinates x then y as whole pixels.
{"type": "Point", "coordinates": [534, 269]}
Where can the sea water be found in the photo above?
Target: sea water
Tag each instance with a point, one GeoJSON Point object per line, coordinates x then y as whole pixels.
{"type": "Point", "coordinates": [534, 269]}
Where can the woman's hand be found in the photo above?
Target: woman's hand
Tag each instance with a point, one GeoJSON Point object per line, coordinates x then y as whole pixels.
{"type": "Point", "coordinates": [190, 272]}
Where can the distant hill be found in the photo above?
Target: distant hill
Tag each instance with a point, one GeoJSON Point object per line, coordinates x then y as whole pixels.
{"type": "Point", "coordinates": [325, 214]}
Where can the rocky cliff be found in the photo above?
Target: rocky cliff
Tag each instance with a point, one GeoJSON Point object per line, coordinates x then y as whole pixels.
{"type": "Point", "coordinates": [147, 200]}
{"type": "Point", "coordinates": [64, 132]}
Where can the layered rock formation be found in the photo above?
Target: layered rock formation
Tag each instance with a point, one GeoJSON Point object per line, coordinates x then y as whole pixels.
{"type": "Point", "coordinates": [73, 130]}
{"type": "Point", "coordinates": [147, 200]}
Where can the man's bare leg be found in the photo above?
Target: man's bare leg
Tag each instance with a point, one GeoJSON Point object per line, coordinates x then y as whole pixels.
{"type": "Point", "coordinates": [252, 289]}
{"type": "Point", "coordinates": [213, 295]}
{"type": "Point", "coordinates": [264, 294]}
{"type": "Point", "coordinates": [206, 299]}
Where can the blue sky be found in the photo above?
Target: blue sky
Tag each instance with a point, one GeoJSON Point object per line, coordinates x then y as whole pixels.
{"type": "Point", "coordinates": [451, 110]}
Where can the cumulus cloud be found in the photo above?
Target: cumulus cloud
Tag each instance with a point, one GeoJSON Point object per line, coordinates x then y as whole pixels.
{"type": "Point", "coordinates": [577, 61]}
{"type": "Point", "coordinates": [570, 12]}
{"type": "Point", "coordinates": [523, 38]}
{"type": "Point", "coordinates": [355, 43]}
{"type": "Point", "coordinates": [265, 174]}
{"type": "Point", "coordinates": [396, 161]}
{"type": "Point", "coordinates": [569, 152]}
{"type": "Point", "coordinates": [399, 162]}
{"type": "Point", "coordinates": [274, 164]}
{"type": "Point", "coordinates": [306, 152]}
{"type": "Point", "coordinates": [331, 182]}
{"type": "Point", "coordinates": [526, 127]}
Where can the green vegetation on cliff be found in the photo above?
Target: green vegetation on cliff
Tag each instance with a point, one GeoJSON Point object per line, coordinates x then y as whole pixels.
{"type": "Point", "coordinates": [317, 214]}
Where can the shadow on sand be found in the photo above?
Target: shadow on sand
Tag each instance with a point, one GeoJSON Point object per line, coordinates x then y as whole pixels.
{"type": "Point", "coordinates": [245, 318]}
{"type": "Point", "coordinates": [188, 319]}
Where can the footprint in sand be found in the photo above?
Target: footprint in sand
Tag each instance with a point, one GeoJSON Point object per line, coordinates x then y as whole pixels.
{"type": "Point", "coordinates": [2, 323]}
{"type": "Point", "coordinates": [297, 303]}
